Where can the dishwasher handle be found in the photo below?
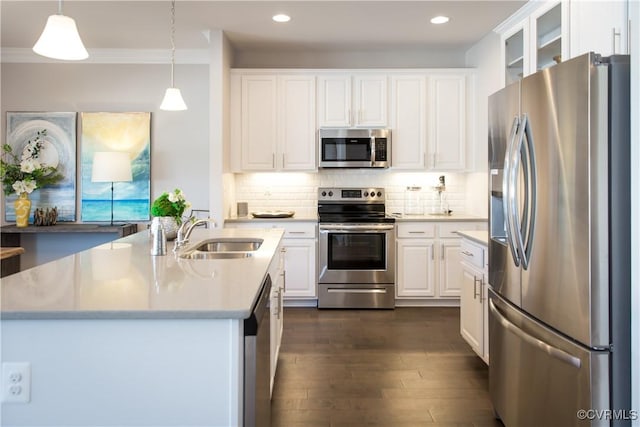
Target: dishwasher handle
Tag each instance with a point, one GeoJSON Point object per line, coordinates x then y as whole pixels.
{"type": "Point", "coordinates": [252, 323]}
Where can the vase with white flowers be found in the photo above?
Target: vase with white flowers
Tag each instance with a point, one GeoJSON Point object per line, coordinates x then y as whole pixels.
{"type": "Point", "coordinates": [22, 175]}
{"type": "Point", "coordinates": [170, 208]}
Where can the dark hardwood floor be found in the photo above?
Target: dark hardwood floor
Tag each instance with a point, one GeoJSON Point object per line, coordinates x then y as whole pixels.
{"type": "Point", "coordinates": [406, 367]}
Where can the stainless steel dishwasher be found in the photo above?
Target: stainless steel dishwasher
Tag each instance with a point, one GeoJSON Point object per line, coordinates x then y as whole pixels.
{"type": "Point", "coordinates": [257, 346]}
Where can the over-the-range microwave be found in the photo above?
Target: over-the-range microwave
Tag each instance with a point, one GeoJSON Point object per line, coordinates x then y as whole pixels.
{"type": "Point", "coordinates": [355, 148]}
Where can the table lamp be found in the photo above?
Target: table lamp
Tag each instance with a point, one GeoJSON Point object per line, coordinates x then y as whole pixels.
{"type": "Point", "coordinates": [111, 166]}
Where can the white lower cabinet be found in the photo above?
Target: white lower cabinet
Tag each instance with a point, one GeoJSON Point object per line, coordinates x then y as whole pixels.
{"type": "Point", "coordinates": [428, 261]}
{"type": "Point", "coordinates": [416, 268]}
{"type": "Point", "coordinates": [276, 270]}
{"type": "Point", "coordinates": [474, 305]}
{"type": "Point", "coordinates": [299, 243]}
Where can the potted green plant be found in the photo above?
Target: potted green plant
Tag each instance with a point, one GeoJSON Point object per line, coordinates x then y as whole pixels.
{"type": "Point", "coordinates": [170, 208]}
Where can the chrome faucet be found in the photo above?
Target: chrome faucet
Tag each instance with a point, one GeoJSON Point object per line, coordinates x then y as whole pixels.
{"type": "Point", "coordinates": [185, 230]}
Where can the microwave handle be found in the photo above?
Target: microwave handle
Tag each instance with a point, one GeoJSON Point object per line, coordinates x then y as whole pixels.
{"type": "Point", "coordinates": [373, 150]}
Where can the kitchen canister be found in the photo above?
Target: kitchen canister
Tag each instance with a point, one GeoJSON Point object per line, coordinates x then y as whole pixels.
{"type": "Point", "coordinates": [413, 204]}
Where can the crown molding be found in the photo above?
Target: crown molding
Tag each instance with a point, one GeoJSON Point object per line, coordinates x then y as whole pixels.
{"type": "Point", "coordinates": [113, 56]}
{"type": "Point", "coordinates": [520, 15]}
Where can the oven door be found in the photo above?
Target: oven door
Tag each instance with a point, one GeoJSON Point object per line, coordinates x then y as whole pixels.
{"type": "Point", "coordinates": [356, 253]}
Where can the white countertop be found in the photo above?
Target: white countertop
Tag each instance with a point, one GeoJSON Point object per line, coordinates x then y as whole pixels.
{"type": "Point", "coordinates": [481, 237]}
{"type": "Point", "coordinates": [440, 218]}
{"type": "Point", "coordinates": [295, 218]}
{"type": "Point", "coordinates": [399, 218]}
{"type": "Point", "coordinates": [121, 280]}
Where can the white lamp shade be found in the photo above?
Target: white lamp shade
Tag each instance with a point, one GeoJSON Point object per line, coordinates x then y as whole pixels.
{"type": "Point", "coordinates": [111, 166]}
{"type": "Point", "coordinates": [60, 40]}
{"type": "Point", "coordinates": [173, 100]}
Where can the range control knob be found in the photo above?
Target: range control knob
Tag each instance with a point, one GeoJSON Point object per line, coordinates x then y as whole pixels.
{"type": "Point", "coordinates": [379, 193]}
{"type": "Point", "coordinates": [366, 194]}
{"type": "Point", "coordinates": [330, 193]}
{"type": "Point", "coordinates": [373, 194]}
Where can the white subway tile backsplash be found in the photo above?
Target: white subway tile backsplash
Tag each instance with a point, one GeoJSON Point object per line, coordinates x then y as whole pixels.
{"type": "Point", "coordinates": [298, 191]}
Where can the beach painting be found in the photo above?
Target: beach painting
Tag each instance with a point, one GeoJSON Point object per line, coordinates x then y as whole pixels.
{"type": "Point", "coordinates": [129, 132]}
{"type": "Point", "coordinates": [59, 150]}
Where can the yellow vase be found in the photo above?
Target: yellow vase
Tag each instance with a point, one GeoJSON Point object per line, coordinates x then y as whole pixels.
{"type": "Point", "coordinates": [23, 210]}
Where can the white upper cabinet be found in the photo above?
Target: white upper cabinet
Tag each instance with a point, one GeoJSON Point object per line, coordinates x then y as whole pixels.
{"type": "Point", "coordinates": [345, 100]}
{"type": "Point", "coordinates": [297, 122]}
{"type": "Point", "coordinates": [545, 33]}
{"type": "Point", "coordinates": [447, 122]}
{"type": "Point", "coordinates": [273, 122]}
{"type": "Point", "coordinates": [258, 122]}
{"type": "Point", "coordinates": [408, 121]}
{"type": "Point", "coordinates": [599, 26]}
{"type": "Point", "coordinates": [430, 114]}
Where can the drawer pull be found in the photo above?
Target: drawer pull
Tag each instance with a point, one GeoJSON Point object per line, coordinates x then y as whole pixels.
{"type": "Point", "coordinates": [416, 232]}
{"type": "Point", "coordinates": [297, 232]}
{"type": "Point", "coordinates": [467, 253]}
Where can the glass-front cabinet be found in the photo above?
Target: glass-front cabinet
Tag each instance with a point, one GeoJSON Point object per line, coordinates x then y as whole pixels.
{"type": "Point", "coordinates": [547, 37]}
{"type": "Point", "coordinates": [536, 42]}
{"type": "Point", "coordinates": [514, 56]}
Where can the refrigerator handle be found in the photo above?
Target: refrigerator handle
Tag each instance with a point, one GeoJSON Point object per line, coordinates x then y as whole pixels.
{"type": "Point", "coordinates": [531, 195]}
{"type": "Point", "coordinates": [506, 189]}
{"type": "Point", "coordinates": [533, 341]}
{"type": "Point", "coordinates": [516, 223]}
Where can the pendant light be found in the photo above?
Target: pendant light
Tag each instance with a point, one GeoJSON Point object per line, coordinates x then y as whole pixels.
{"type": "Point", "coordinates": [173, 98]}
{"type": "Point", "coordinates": [60, 39]}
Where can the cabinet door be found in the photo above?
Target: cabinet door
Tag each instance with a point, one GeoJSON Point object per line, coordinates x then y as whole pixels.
{"type": "Point", "coordinates": [416, 268]}
{"type": "Point", "coordinates": [408, 121]}
{"type": "Point", "coordinates": [450, 269]}
{"type": "Point", "coordinates": [297, 122]}
{"type": "Point", "coordinates": [547, 41]}
{"type": "Point", "coordinates": [300, 268]}
{"type": "Point", "coordinates": [447, 113]}
{"type": "Point", "coordinates": [258, 122]}
{"type": "Point", "coordinates": [471, 311]}
{"type": "Point", "coordinates": [370, 101]}
{"type": "Point", "coordinates": [599, 26]}
{"type": "Point", "coordinates": [334, 101]}
{"type": "Point", "coordinates": [516, 53]}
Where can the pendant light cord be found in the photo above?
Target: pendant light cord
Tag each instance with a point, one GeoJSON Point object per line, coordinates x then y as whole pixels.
{"type": "Point", "coordinates": [173, 35]}
{"type": "Point", "coordinates": [59, 7]}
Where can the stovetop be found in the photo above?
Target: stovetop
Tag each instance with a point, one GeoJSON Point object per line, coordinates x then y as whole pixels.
{"type": "Point", "coordinates": [352, 205]}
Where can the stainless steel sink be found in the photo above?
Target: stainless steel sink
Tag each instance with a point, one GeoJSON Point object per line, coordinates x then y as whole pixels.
{"type": "Point", "coordinates": [213, 255]}
{"type": "Point", "coordinates": [229, 245]}
{"type": "Point", "coordinates": [222, 248]}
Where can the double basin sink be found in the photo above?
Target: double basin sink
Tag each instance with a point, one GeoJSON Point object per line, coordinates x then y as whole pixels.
{"type": "Point", "coordinates": [222, 248]}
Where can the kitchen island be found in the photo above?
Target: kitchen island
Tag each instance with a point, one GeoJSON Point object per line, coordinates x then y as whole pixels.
{"type": "Point", "coordinates": [117, 337]}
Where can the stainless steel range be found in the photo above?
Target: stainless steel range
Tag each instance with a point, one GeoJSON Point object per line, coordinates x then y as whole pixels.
{"type": "Point", "coordinates": [356, 250]}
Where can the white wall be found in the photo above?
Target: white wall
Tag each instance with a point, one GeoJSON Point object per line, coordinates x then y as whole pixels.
{"type": "Point", "coordinates": [392, 58]}
{"type": "Point", "coordinates": [179, 140]}
{"type": "Point", "coordinates": [485, 58]}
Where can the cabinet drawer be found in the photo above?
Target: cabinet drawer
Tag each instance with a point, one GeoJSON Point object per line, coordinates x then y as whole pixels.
{"type": "Point", "coordinates": [416, 230]}
{"type": "Point", "coordinates": [448, 229]}
{"type": "Point", "coordinates": [472, 254]}
{"type": "Point", "coordinates": [293, 230]}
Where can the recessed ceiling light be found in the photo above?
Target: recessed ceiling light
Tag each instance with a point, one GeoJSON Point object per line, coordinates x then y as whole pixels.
{"type": "Point", "coordinates": [440, 19]}
{"type": "Point", "coordinates": [281, 17]}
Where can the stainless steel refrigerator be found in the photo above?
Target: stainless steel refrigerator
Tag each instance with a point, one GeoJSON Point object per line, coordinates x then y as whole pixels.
{"type": "Point", "coordinates": [559, 249]}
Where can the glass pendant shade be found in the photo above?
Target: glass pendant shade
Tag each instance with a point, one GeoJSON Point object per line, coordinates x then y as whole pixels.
{"type": "Point", "coordinates": [60, 40]}
{"type": "Point", "coordinates": [173, 100]}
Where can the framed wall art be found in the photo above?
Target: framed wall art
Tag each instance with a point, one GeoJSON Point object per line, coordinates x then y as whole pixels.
{"type": "Point", "coordinates": [128, 132]}
{"type": "Point", "coordinates": [59, 151]}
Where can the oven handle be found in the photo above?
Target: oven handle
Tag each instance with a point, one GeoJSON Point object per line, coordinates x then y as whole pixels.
{"type": "Point", "coordinates": [355, 227]}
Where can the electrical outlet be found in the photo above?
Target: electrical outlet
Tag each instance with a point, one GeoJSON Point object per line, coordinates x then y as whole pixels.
{"type": "Point", "coordinates": [16, 382]}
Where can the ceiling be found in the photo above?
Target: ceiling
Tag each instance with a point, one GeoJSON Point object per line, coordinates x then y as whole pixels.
{"type": "Point", "coordinates": [315, 25]}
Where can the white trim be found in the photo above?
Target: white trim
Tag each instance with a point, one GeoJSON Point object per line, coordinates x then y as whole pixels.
{"type": "Point", "coordinates": [114, 56]}
{"type": "Point", "coordinates": [521, 14]}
